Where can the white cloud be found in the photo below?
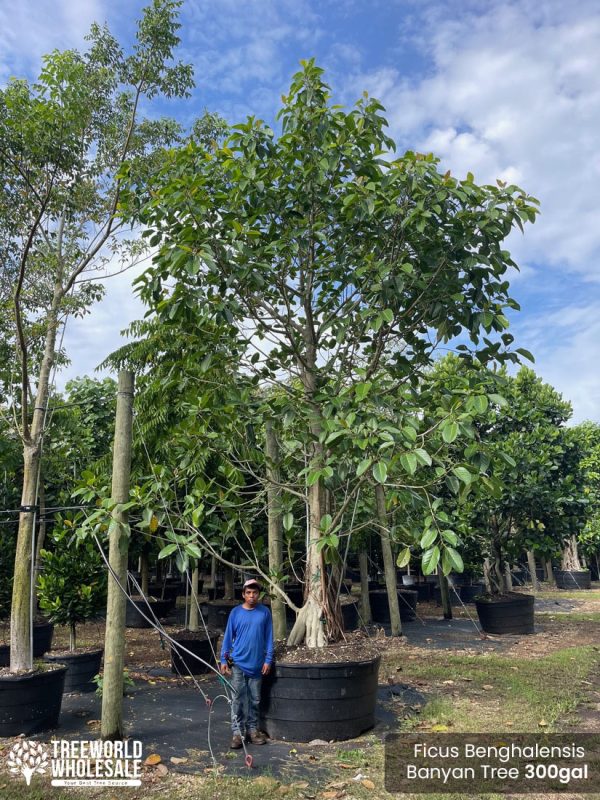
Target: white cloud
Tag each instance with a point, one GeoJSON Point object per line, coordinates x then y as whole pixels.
{"type": "Point", "coordinates": [512, 93]}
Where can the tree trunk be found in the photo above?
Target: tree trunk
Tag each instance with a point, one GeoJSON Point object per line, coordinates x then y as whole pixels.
{"type": "Point", "coordinates": [114, 641]}
{"type": "Point", "coordinates": [41, 537]}
{"type": "Point", "coordinates": [194, 622]}
{"type": "Point", "coordinates": [145, 579]}
{"type": "Point", "coordinates": [389, 565]}
{"type": "Point", "coordinates": [21, 630]}
{"type": "Point", "coordinates": [570, 556]}
{"type": "Point", "coordinates": [310, 621]}
{"type": "Point", "coordinates": [275, 529]}
{"type": "Point", "coordinates": [486, 575]}
{"type": "Point", "coordinates": [532, 571]}
{"type": "Point", "coordinates": [229, 580]}
{"type": "Point", "coordinates": [508, 577]}
{"type": "Point", "coordinates": [445, 594]}
{"type": "Point", "coordinates": [365, 603]}
{"type": "Point", "coordinates": [213, 573]}
{"type": "Point", "coordinates": [72, 637]}
{"type": "Point", "coordinates": [550, 572]}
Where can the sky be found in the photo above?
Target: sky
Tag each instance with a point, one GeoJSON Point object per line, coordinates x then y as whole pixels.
{"type": "Point", "coordinates": [504, 90]}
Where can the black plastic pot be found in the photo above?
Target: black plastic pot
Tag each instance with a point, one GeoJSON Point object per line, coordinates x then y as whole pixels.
{"type": "Point", "coordinates": [454, 593]}
{"type": "Point", "coordinates": [350, 614]}
{"type": "Point", "coordinates": [42, 642]}
{"type": "Point", "coordinates": [509, 613]}
{"type": "Point", "coordinates": [133, 617]}
{"type": "Point", "coordinates": [30, 703]}
{"type": "Point", "coordinates": [301, 702]}
{"type": "Point", "coordinates": [424, 591]}
{"type": "Point", "coordinates": [380, 609]}
{"type": "Point", "coordinates": [469, 593]}
{"type": "Point", "coordinates": [573, 579]}
{"type": "Point", "coordinates": [82, 667]}
{"type": "Point", "coordinates": [182, 663]}
{"type": "Point", "coordinates": [218, 613]}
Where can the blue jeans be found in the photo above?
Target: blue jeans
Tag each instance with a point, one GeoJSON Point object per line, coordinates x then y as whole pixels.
{"type": "Point", "coordinates": [245, 701]}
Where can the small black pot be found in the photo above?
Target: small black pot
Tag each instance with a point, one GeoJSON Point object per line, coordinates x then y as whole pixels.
{"type": "Point", "coordinates": [183, 663]}
{"type": "Point", "coordinates": [573, 579]}
{"type": "Point", "coordinates": [30, 703]}
{"type": "Point", "coordinates": [424, 591]}
{"type": "Point", "coordinates": [133, 617]}
{"type": "Point", "coordinates": [42, 642]}
{"type": "Point", "coordinates": [218, 613]}
{"type": "Point", "coordinates": [469, 593]}
{"type": "Point", "coordinates": [350, 614]}
{"type": "Point", "coordinates": [301, 702]}
{"type": "Point", "coordinates": [380, 609]}
{"type": "Point", "coordinates": [455, 594]}
{"type": "Point", "coordinates": [509, 613]}
{"type": "Point", "coordinates": [82, 667]}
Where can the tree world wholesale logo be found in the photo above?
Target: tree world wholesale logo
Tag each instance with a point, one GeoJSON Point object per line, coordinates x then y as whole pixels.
{"type": "Point", "coordinates": [79, 762]}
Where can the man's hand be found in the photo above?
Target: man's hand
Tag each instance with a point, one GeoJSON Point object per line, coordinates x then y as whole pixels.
{"type": "Point", "coordinates": [224, 667]}
{"type": "Point", "coordinates": [266, 668]}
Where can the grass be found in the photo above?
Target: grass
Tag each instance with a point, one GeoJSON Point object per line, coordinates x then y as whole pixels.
{"type": "Point", "coordinates": [571, 616]}
{"type": "Point", "coordinates": [495, 693]}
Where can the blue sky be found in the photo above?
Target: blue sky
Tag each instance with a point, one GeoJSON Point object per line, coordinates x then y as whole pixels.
{"type": "Point", "coordinates": [501, 89]}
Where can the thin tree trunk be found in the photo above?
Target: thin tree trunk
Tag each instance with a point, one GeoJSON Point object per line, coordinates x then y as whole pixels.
{"type": "Point", "coordinates": [532, 571]}
{"type": "Point", "coordinates": [41, 536]}
{"type": "Point", "coordinates": [275, 529]}
{"type": "Point", "coordinates": [72, 637]}
{"type": "Point", "coordinates": [508, 577]}
{"type": "Point", "coordinates": [145, 580]}
{"type": "Point", "coordinates": [213, 573]}
{"type": "Point", "coordinates": [486, 575]}
{"type": "Point", "coordinates": [229, 580]}
{"type": "Point", "coordinates": [389, 566]}
{"type": "Point", "coordinates": [445, 594]}
{"type": "Point", "coordinates": [194, 622]}
{"type": "Point", "coordinates": [365, 602]}
{"type": "Point", "coordinates": [550, 572]}
{"type": "Point", "coordinates": [114, 641]}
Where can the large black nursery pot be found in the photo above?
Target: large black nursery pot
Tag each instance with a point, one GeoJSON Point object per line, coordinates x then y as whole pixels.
{"type": "Point", "coordinates": [218, 613]}
{"type": "Point", "coordinates": [133, 617]}
{"type": "Point", "coordinates": [42, 642]}
{"type": "Point", "coordinates": [302, 702]}
{"type": "Point", "coordinates": [81, 668]}
{"type": "Point", "coordinates": [573, 579]}
{"type": "Point", "coordinates": [470, 592]}
{"type": "Point", "coordinates": [31, 703]}
{"type": "Point", "coordinates": [507, 613]}
{"type": "Point", "coordinates": [184, 663]}
{"type": "Point", "coordinates": [380, 609]}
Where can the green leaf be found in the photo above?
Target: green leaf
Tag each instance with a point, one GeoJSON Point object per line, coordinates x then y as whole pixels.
{"type": "Point", "coordinates": [526, 354]}
{"type": "Point", "coordinates": [450, 536]}
{"type": "Point", "coordinates": [409, 462]}
{"type": "Point", "coordinates": [403, 557]}
{"type": "Point", "coordinates": [450, 432]}
{"type": "Point", "coordinates": [166, 551]}
{"type": "Point", "coordinates": [362, 390]}
{"type": "Point", "coordinates": [363, 466]}
{"type": "Point", "coordinates": [428, 538]}
{"type": "Point", "coordinates": [380, 471]}
{"type": "Point", "coordinates": [288, 521]}
{"type": "Point", "coordinates": [430, 560]}
{"type": "Point", "coordinates": [313, 477]}
{"type": "Point", "coordinates": [480, 403]}
{"type": "Point", "coordinates": [423, 456]}
{"type": "Point", "coordinates": [463, 474]}
{"type": "Point", "coordinates": [326, 521]}
{"type": "Point", "coordinates": [451, 561]}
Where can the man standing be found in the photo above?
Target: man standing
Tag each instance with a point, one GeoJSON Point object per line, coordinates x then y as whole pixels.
{"type": "Point", "coordinates": [248, 647]}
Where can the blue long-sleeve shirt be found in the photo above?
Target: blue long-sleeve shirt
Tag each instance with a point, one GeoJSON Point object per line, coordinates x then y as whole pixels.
{"type": "Point", "coordinates": [248, 639]}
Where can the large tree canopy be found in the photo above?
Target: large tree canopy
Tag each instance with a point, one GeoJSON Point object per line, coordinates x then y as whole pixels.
{"type": "Point", "coordinates": [341, 267]}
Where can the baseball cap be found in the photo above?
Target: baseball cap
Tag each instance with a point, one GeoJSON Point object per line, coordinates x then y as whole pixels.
{"type": "Point", "coordinates": [251, 582]}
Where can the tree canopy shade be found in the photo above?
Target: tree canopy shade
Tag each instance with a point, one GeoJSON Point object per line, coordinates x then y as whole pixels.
{"type": "Point", "coordinates": [63, 141]}
{"type": "Point", "coordinates": [341, 267]}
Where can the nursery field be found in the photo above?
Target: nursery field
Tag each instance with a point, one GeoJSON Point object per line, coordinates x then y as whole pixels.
{"type": "Point", "coordinates": [438, 677]}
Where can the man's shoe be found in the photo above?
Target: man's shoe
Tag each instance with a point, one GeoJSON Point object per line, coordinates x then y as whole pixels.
{"type": "Point", "coordinates": [236, 742]}
{"type": "Point", "coordinates": [257, 737]}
